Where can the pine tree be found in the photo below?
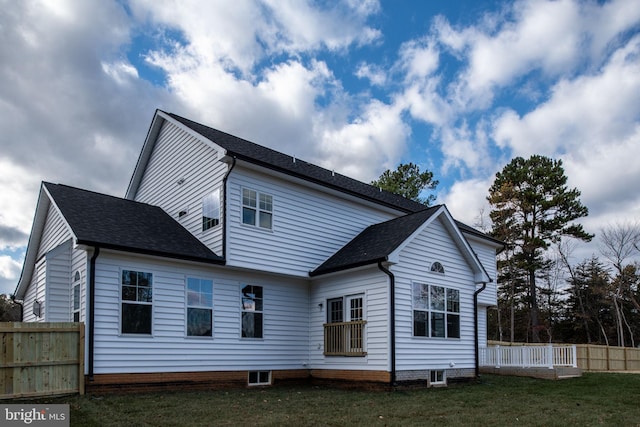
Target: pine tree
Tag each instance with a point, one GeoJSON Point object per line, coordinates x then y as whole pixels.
{"type": "Point", "coordinates": [408, 181]}
{"type": "Point", "coordinates": [532, 207]}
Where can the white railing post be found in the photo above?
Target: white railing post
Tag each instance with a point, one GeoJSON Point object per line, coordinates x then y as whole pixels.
{"type": "Point", "coordinates": [498, 356]}
{"type": "Point", "coordinates": [574, 352]}
{"type": "Point", "coordinates": [550, 356]}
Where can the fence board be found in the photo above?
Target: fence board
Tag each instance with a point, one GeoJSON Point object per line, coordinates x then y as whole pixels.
{"type": "Point", "coordinates": [41, 359]}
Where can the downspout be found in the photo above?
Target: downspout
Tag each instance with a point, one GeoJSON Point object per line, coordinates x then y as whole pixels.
{"type": "Point", "coordinates": [92, 305]}
{"type": "Point", "coordinates": [224, 210]}
{"type": "Point", "coordinates": [475, 324]}
{"type": "Point", "coordinates": [392, 323]}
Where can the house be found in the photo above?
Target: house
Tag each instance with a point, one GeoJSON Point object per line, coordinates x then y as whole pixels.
{"type": "Point", "coordinates": [230, 263]}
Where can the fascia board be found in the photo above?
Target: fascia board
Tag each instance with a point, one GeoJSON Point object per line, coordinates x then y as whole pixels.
{"type": "Point", "coordinates": [480, 273]}
{"type": "Point", "coordinates": [42, 208]}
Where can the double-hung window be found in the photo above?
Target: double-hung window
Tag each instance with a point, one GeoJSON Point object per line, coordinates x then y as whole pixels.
{"type": "Point", "coordinates": [257, 209]}
{"type": "Point", "coordinates": [137, 298]}
{"type": "Point", "coordinates": [211, 210]}
{"type": "Point", "coordinates": [252, 311]}
{"type": "Point", "coordinates": [436, 311]}
{"type": "Point", "coordinates": [199, 307]}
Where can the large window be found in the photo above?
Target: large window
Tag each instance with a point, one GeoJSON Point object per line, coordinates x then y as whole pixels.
{"type": "Point", "coordinates": [199, 307]}
{"type": "Point", "coordinates": [137, 297]}
{"type": "Point", "coordinates": [211, 210]}
{"type": "Point", "coordinates": [436, 311]}
{"type": "Point", "coordinates": [252, 311]}
{"type": "Point", "coordinates": [257, 209]}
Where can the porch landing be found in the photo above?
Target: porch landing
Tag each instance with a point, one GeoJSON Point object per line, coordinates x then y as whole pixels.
{"type": "Point", "coordinates": [555, 373]}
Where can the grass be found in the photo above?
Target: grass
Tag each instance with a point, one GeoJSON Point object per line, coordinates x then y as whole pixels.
{"type": "Point", "coordinates": [594, 399]}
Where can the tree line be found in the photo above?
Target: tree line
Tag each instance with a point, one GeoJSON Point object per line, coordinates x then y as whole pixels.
{"type": "Point", "coordinates": [542, 295]}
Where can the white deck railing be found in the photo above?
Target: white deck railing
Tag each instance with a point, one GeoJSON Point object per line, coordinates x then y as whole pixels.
{"type": "Point", "coordinates": [529, 356]}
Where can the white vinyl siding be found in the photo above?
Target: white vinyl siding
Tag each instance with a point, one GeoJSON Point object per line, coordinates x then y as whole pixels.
{"type": "Point", "coordinates": [373, 286]}
{"type": "Point", "coordinates": [182, 170]}
{"type": "Point", "coordinates": [308, 225]}
{"type": "Point", "coordinates": [35, 292]}
{"type": "Point", "coordinates": [415, 353]}
{"type": "Point", "coordinates": [286, 321]}
{"type": "Point", "coordinates": [55, 232]}
{"type": "Point", "coordinates": [487, 255]}
{"type": "Point", "coordinates": [58, 281]}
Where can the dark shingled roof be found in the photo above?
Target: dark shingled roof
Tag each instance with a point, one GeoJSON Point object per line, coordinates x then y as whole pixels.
{"type": "Point", "coordinates": [266, 157]}
{"type": "Point", "coordinates": [375, 243]}
{"type": "Point", "coordinates": [114, 223]}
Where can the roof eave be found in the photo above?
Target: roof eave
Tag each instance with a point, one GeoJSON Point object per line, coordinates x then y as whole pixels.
{"type": "Point", "coordinates": [322, 272]}
{"type": "Point", "coordinates": [121, 248]}
{"type": "Point", "coordinates": [317, 181]}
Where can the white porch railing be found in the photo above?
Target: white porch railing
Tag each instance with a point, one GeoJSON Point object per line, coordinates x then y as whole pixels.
{"type": "Point", "coordinates": [529, 356]}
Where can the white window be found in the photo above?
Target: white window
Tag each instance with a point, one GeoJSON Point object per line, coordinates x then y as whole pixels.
{"type": "Point", "coordinates": [257, 209]}
{"type": "Point", "coordinates": [199, 307]}
{"type": "Point", "coordinates": [137, 296]}
{"type": "Point", "coordinates": [437, 377]}
{"type": "Point", "coordinates": [76, 297]}
{"type": "Point", "coordinates": [436, 311]}
{"type": "Point", "coordinates": [436, 267]}
{"type": "Point", "coordinates": [252, 311]}
{"type": "Point", "coordinates": [259, 377]}
{"type": "Point", "coordinates": [211, 210]}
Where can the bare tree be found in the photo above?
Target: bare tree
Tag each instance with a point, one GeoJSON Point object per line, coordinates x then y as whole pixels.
{"type": "Point", "coordinates": [619, 243]}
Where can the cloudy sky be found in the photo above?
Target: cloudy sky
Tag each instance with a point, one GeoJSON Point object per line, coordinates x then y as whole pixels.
{"type": "Point", "coordinates": [358, 86]}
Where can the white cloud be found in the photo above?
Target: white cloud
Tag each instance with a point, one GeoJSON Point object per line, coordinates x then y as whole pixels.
{"type": "Point", "coordinates": [553, 37]}
{"type": "Point", "coordinates": [241, 36]}
{"type": "Point", "coordinates": [376, 75]}
{"type": "Point", "coordinates": [9, 274]}
{"type": "Point", "coordinates": [368, 145]}
{"type": "Point", "coordinates": [467, 201]}
{"type": "Point", "coordinates": [581, 112]}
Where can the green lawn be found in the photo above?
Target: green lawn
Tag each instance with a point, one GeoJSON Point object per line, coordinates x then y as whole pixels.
{"type": "Point", "coordinates": [594, 399]}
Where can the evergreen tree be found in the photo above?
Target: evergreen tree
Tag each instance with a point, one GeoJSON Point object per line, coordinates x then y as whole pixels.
{"type": "Point", "coordinates": [532, 208]}
{"type": "Point", "coordinates": [408, 181]}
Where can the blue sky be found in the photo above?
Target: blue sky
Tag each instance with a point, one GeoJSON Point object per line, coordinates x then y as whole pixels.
{"type": "Point", "coordinates": [458, 87]}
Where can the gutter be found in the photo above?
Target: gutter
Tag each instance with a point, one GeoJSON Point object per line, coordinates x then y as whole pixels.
{"type": "Point", "coordinates": [392, 322]}
{"type": "Point", "coordinates": [475, 327]}
{"type": "Point", "coordinates": [224, 210]}
{"type": "Point", "coordinates": [92, 305]}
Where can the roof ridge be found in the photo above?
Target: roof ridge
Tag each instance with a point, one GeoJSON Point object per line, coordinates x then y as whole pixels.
{"type": "Point", "coordinates": [286, 163]}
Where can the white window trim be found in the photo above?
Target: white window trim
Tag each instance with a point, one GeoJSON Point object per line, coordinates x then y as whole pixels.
{"type": "Point", "coordinates": [73, 296]}
{"type": "Point", "coordinates": [429, 310]}
{"type": "Point", "coordinates": [256, 225]}
{"type": "Point", "coordinates": [121, 301]}
{"type": "Point", "coordinates": [258, 383]}
{"type": "Point", "coordinates": [187, 307]}
{"type": "Point", "coordinates": [436, 383]}
{"type": "Point", "coordinates": [242, 285]}
{"type": "Point", "coordinates": [219, 191]}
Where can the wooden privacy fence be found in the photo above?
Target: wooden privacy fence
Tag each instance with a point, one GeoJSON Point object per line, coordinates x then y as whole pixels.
{"type": "Point", "coordinates": [606, 358]}
{"type": "Point", "coordinates": [41, 359]}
